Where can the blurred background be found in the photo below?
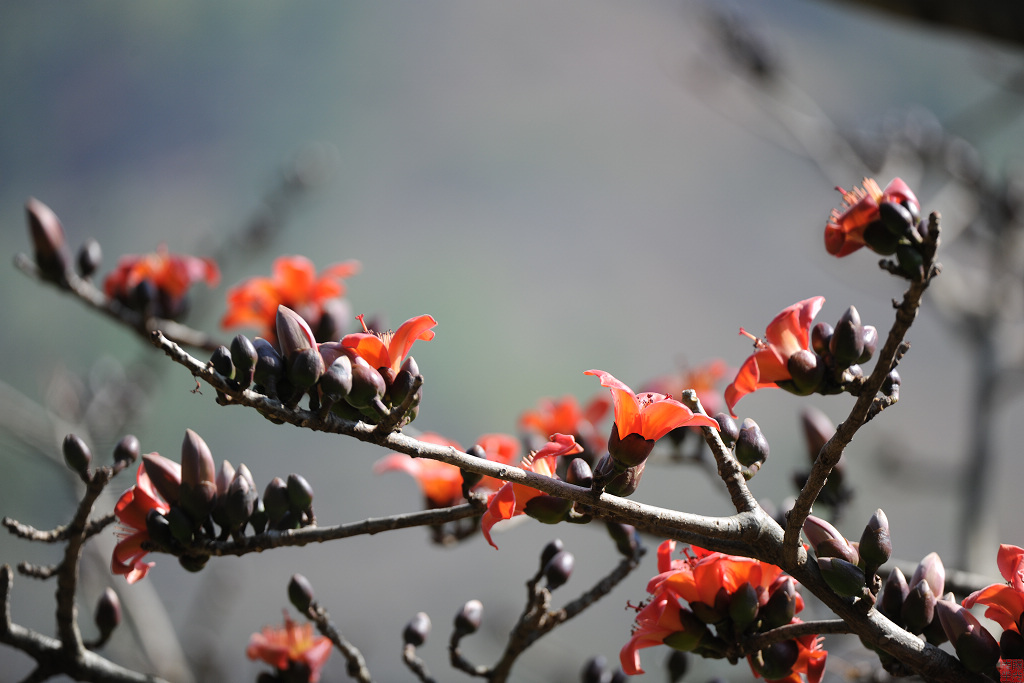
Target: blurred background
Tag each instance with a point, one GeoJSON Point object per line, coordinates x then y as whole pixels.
{"type": "Point", "coordinates": [563, 187]}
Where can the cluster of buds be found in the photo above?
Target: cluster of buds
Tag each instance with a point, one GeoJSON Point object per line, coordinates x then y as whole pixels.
{"type": "Point", "coordinates": [746, 441]}
{"type": "Point", "coordinates": [728, 599]}
{"type": "Point", "coordinates": [887, 221]}
{"type": "Point", "coordinates": [175, 508]}
{"type": "Point", "coordinates": [595, 670]}
{"type": "Point", "coordinates": [361, 377]}
{"type": "Point", "coordinates": [849, 568]}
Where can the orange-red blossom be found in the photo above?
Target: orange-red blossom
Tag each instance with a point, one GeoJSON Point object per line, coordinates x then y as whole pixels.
{"type": "Point", "coordinates": [844, 232]}
{"type": "Point", "coordinates": [1005, 602]}
{"type": "Point", "coordinates": [291, 643]}
{"type": "Point", "coordinates": [131, 511]}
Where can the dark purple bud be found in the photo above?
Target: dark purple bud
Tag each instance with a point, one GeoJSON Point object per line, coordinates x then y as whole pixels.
{"type": "Point", "coordinates": [919, 607]}
{"type": "Point", "coordinates": [198, 477]}
{"type": "Point", "coordinates": [579, 473]}
{"type": "Point", "coordinates": [630, 451]}
{"type": "Point", "coordinates": [547, 509]}
{"type": "Point", "coordinates": [821, 338]}
{"type": "Point", "coordinates": [77, 455]}
{"type": "Point", "coordinates": [807, 370]}
{"type": "Point", "coordinates": [559, 568]}
{"type": "Point", "coordinates": [627, 541]}
{"type": "Point", "coordinates": [727, 429]}
{"type": "Point", "coordinates": [402, 384]}
{"type": "Point", "coordinates": [471, 479]}
{"type": "Point", "coordinates": [896, 218]}
{"type": "Point", "coordinates": [305, 368]}
{"type": "Point", "coordinates": [220, 361]}
{"type": "Point", "coordinates": [293, 333]}
{"type": "Point", "coordinates": [181, 525]}
{"type": "Point", "coordinates": [275, 500]}
{"type": "Point", "coordinates": [164, 474]}
{"type": "Point", "coordinates": [51, 250]}
{"type": "Point", "coordinates": [244, 358]}
{"type": "Point", "coordinates": [241, 500]}
{"type": "Point", "coordinates": [841, 549]}
{"type": "Point", "coordinates": [367, 384]}
{"type": "Point", "coordinates": [875, 545]}
{"type": "Point", "coordinates": [931, 570]}
{"type": "Point", "coordinates": [300, 493]}
{"type": "Point", "coordinates": [751, 446]}
{"type": "Point", "coordinates": [777, 660]}
{"type": "Point", "coordinates": [300, 592]}
{"type": "Point", "coordinates": [594, 670]}
{"type": "Point", "coordinates": [879, 239]}
{"type": "Point", "coordinates": [417, 630]}
{"type": "Point", "coordinates": [844, 578]}
{"type": "Point", "coordinates": [193, 563]}
{"type": "Point", "coordinates": [870, 336]}
{"type": "Point", "coordinates": [553, 547]}
{"type": "Point", "coordinates": [743, 607]}
{"type": "Point", "coordinates": [678, 663]}
{"type": "Point", "coordinates": [1011, 645]}
{"type": "Point", "coordinates": [159, 529]}
{"type": "Point", "coordinates": [974, 645]}
{"type": "Point", "coordinates": [337, 379]}
{"type": "Point", "coordinates": [894, 594]}
{"type": "Point", "coordinates": [818, 531]}
{"type": "Point", "coordinates": [818, 429]}
{"type": "Point", "coordinates": [847, 344]}
{"type": "Point", "coordinates": [108, 612]}
{"type": "Point", "coordinates": [781, 606]}
{"type": "Point", "coordinates": [90, 257]}
{"type": "Point", "coordinates": [269, 368]}
{"type": "Point", "coordinates": [224, 476]}
{"type": "Point", "coordinates": [892, 383]}
{"type": "Point", "coordinates": [127, 449]}
{"type": "Point", "coordinates": [469, 618]}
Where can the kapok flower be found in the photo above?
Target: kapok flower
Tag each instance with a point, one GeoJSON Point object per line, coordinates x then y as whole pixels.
{"type": "Point", "coordinates": [131, 511]}
{"type": "Point", "coordinates": [389, 349]}
{"type": "Point", "coordinates": [294, 284]}
{"type": "Point", "coordinates": [700, 576]}
{"type": "Point", "coordinates": [1005, 602]}
{"type": "Point", "coordinates": [171, 275]}
{"type": "Point", "coordinates": [659, 619]}
{"type": "Point", "coordinates": [564, 416]}
{"type": "Point", "coordinates": [844, 233]}
{"type": "Point", "coordinates": [511, 499]}
{"type": "Point", "coordinates": [787, 334]}
{"type": "Point", "coordinates": [642, 419]}
{"type": "Point", "coordinates": [703, 379]}
{"type": "Point", "coordinates": [291, 645]}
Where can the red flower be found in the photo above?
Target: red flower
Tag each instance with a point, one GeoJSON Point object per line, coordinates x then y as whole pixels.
{"type": "Point", "coordinates": [1005, 602]}
{"type": "Point", "coordinates": [564, 416]}
{"type": "Point", "coordinates": [844, 233]}
{"type": "Point", "coordinates": [788, 333]}
{"type": "Point", "coordinates": [511, 499]}
{"type": "Point", "coordinates": [655, 622]}
{"type": "Point", "coordinates": [294, 284]}
{"type": "Point", "coordinates": [703, 573]}
{"type": "Point", "coordinates": [390, 348]}
{"type": "Point", "coordinates": [291, 644]}
{"type": "Point", "coordinates": [650, 415]}
{"type": "Point", "coordinates": [171, 275]}
{"type": "Point", "coordinates": [704, 379]}
{"type": "Point", "coordinates": [131, 511]}
{"type": "Point", "coordinates": [810, 660]}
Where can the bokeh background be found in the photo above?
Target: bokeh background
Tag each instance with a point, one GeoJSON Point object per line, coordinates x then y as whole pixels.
{"type": "Point", "coordinates": [569, 186]}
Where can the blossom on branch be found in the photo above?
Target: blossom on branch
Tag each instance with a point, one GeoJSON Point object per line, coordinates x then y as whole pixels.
{"type": "Point", "coordinates": [131, 510]}
{"type": "Point", "coordinates": [858, 223]}
{"type": "Point", "coordinates": [788, 334]}
{"type": "Point", "coordinates": [389, 349]}
{"type": "Point", "coordinates": [167, 276]}
{"type": "Point", "coordinates": [291, 648]}
{"type": "Point", "coordinates": [642, 419]}
{"type": "Point", "coordinates": [565, 416]}
{"type": "Point", "coordinates": [1005, 602]}
{"type": "Point", "coordinates": [512, 499]}
{"type": "Point", "coordinates": [294, 284]}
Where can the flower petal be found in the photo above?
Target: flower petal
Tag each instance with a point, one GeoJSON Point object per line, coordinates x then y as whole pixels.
{"type": "Point", "coordinates": [420, 327]}
{"type": "Point", "coordinates": [369, 347]}
{"type": "Point", "coordinates": [502, 505]}
{"type": "Point", "coordinates": [624, 402]}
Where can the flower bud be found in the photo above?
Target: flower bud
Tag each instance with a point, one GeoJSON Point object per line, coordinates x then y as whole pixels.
{"type": "Point", "coordinates": [108, 612]}
{"type": "Point", "coordinates": [400, 387]}
{"type": "Point", "coordinates": [417, 630]}
{"type": "Point", "coordinates": [559, 568]}
{"type": "Point", "coordinates": [628, 451]}
{"type": "Point", "coordinates": [469, 618]}
{"type": "Point", "coordinates": [678, 663]}
{"type": "Point", "coordinates": [870, 336]}
{"type": "Point", "coordinates": [547, 509]}
{"type": "Point", "coordinates": [275, 500]}
{"type": "Point", "coordinates": [594, 670]}
{"type": "Point", "coordinates": [305, 368]}
{"type": "Point", "coordinates": [193, 563]}
{"type": "Point", "coordinates": [622, 484]}
{"type": "Point", "coordinates": [51, 250]}
{"type": "Point", "coordinates": [892, 383]}
{"type": "Point", "coordinates": [181, 525]}
{"type": "Point", "coordinates": [300, 493]}
{"type": "Point", "coordinates": [224, 476]}
{"type": "Point", "coordinates": [241, 500]}
{"type": "Point", "coordinates": [269, 368]}
{"type": "Point", "coordinates": [367, 384]}
{"type": "Point", "coordinates": [727, 429]}
{"type": "Point", "coordinates": [553, 547]}
{"type": "Point", "coordinates": [627, 540]}
{"type": "Point", "coordinates": [293, 333]}
{"type": "Point", "coordinates": [896, 218]}
{"type": "Point", "coordinates": [198, 477]}
{"type": "Point", "coordinates": [471, 479]}
{"type": "Point", "coordinates": [894, 594]}
{"type": "Point", "coordinates": [821, 338]}
{"type": "Point", "coordinates": [781, 606]}
{"type": "Point", "coordinates": [751, 446]}
{"type": "Point", "coordinates": [807, 370]}
{"type": "Point", "coordinates": [689, 639]}
{"type": "Point", "coordinates": [818, 429]}
{"type": "Point", "coordinates": [843, 577]}
{"type": "Point", "coordinates": [878, 238]}
{"type": "Point", "coordinates": [776, 660]}
{"type": "Point", "coordinates": [1011, 645]}
{"type": "Point", "coordinates": [90, 256]}
{"type": "Point", "coordinates": [220, 361]}
{"type": "Point", "coordinates": [300, 592]}
{"type": "Point", "coordinates": [847, 344]}
{"type": "Point", "coordinates": [818, 531]}
{"type": "Point", "coordinates": [931, 570]}
{"type": "Point", "coordinates": [910, 260]}
{"type": "Point", "coordinates": [875, 545]}
{"type": "Point", "coordinates": [159, 529]}
{"type": "Point", "coordinates": [337, 379]}
{"type": "Point", "coordinates": [244, 358]}
{"type": "Point", "coordinates": [579, 473]}
{"type": "Point", "coordinates": [743, 607]}
{"type": "Point", "coordinates": [974, 645]}
{"type": "Point", "coordinates": [164, 474]}
{"type": "Point", "coordinates": [127, 450]}
{"type": "Point", "coordinates": [77, 455]}
{"type": "Point", "coordinates": [919, 607]}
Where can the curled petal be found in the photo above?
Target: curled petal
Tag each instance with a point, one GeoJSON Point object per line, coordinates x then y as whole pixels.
{"type": "Point", "coordinates": [420, 327]}
{"type": "Point", "coordinates": [502, 505]}
{"type": "Point", "coordinates": [1010, 561]}
{"type": "Point", "coordinates": [370, 348]}
{"type": "Point", "coordinates": [624, 402]}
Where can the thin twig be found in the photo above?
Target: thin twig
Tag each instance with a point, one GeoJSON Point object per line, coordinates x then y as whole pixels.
{"type": "Point", "coordinates": [356, 663]}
